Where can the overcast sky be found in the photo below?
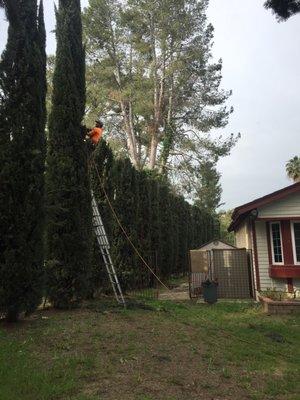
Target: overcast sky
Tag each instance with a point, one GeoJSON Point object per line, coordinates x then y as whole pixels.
{"type": "Point", "coordinates": [261, 60]}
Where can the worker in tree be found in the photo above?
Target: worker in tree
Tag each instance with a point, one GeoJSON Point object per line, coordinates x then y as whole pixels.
{"type": "Point", "coordinates": [96, 133]}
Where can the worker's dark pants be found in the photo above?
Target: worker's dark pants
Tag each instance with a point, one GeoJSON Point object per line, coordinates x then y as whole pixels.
{"type": "Point", "coordinates": [90, 147]}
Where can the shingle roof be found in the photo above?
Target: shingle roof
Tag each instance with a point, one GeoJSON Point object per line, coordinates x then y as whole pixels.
{"type": "Point", "coordinates": [241, 212]}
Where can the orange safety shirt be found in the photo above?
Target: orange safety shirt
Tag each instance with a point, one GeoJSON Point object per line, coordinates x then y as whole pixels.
{"type": "Point", "coordinates": [96, 134]}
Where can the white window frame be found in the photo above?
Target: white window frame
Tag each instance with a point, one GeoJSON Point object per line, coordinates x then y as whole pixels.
{"type": "Point", "coordinates": [271, 240]}
{"type": "Point", "coordinates": [294, 242]}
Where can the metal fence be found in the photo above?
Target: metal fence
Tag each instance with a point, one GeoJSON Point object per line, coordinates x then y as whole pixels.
{"type": "Point", "coordinates": [231, 268]}
{"type": "Point", "coordinates": [137, 282]}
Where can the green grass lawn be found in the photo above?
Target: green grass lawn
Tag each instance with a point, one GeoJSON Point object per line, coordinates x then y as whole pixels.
{"type": "Point", "coordinates": [162, 351]}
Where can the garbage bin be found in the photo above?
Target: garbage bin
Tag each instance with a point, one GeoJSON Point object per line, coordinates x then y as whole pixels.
{"type": "Point", "coordinates": [210, 291]}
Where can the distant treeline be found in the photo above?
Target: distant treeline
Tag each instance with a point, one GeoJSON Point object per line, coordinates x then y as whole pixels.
{"type": "Point", "coordinates": [162, 225]}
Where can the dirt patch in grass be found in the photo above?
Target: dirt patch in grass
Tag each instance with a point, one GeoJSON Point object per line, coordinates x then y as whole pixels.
{"type": "Point", "coordinates": [177, 292]}
{"type": "Point", "coordinates": [151, 356]}
{"type": "Point", "coordinates": [162, 351]}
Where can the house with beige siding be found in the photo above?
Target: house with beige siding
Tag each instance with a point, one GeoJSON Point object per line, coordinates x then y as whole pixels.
{"type": "Point", "coordinates": [270, 227]}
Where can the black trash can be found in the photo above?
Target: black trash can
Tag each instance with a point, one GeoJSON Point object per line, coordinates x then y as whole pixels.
{"type": "Point", "coordinates": [210, 291]}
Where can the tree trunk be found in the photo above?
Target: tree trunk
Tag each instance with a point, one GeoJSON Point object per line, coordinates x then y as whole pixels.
{"type": "Point", "coordinates": [168, 135]}
{"type": "Point", "coordinates": [131, 139]}
{"type": "Point", "coordinates": [126, 108]}
{"type": "Point", "coordinates": [153, 151]}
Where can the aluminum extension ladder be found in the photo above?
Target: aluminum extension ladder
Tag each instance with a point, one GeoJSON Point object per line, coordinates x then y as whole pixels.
{"type": "Point", "coordinates": [104, 248]}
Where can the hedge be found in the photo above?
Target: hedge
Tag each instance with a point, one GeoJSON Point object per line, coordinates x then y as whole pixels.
{"type": "Point", "coordinates": [162, 225]}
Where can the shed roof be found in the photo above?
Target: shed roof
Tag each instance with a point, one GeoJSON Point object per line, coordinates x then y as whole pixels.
{"type": "Point", "coordinates": [216, 240]}
{"type": "Point", "coordinates": [241, 212]}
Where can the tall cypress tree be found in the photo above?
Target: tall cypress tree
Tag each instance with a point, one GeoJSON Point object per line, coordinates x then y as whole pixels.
{"type": "Point", "coordinates": [22, 150]}
{"type": "Point", "coordinates": [43, 68]}
{"type": "Point", "coordinates": [68, 200]}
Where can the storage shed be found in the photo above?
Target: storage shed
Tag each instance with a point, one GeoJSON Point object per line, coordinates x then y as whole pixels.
{"type": "Point", "coordinates": [221, 261]}
{"type": "Point", "coordinates": [216, 244]}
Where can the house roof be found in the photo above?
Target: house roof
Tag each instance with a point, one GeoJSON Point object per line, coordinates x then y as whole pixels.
{"type": "Point", "coordinates": [241, 212]}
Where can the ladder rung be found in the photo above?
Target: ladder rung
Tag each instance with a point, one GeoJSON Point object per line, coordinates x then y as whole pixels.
{"type": "Point", "coordinates": [104, 247]}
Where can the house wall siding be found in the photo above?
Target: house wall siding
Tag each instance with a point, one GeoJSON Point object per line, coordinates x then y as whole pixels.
{"type": "Point", "coordinates": [288, 207]}
{"type": "Point", "coordinates": [263, 259]}
{"type": "Point", "coordinates": [243, 236]}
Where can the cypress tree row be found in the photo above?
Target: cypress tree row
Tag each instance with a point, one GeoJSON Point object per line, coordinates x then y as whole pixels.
{"type": "Point", "coordinates": [104, 159]}
{"type": "Point", "coordinates": [125, 206]}
{"type": "Point", "coordinates": [22, 153]}
{"type": "Point", "coordinates": [69, 234]}
{"type": "Point", "coordinates": [156, 220]}
{"type": "Point", "coordinates": [143, 234]}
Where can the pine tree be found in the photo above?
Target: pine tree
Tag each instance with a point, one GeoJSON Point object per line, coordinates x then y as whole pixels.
{"type": "Point", "coordinates": [152, 62]}
{"type": "Point", "coordinates": [22, 150]}
{"type": "Point", "coordinates": [283, 9]}
{"type": "Point", "coordinates": [208, 190]}
{"type": "Point", "coordinates": [69, 234]}
{"type": "Point", "coordinates": [225, 218]}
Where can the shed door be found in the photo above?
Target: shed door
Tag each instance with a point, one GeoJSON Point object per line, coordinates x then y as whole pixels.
{"type": "Point", "coordinates": [232, 270]}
